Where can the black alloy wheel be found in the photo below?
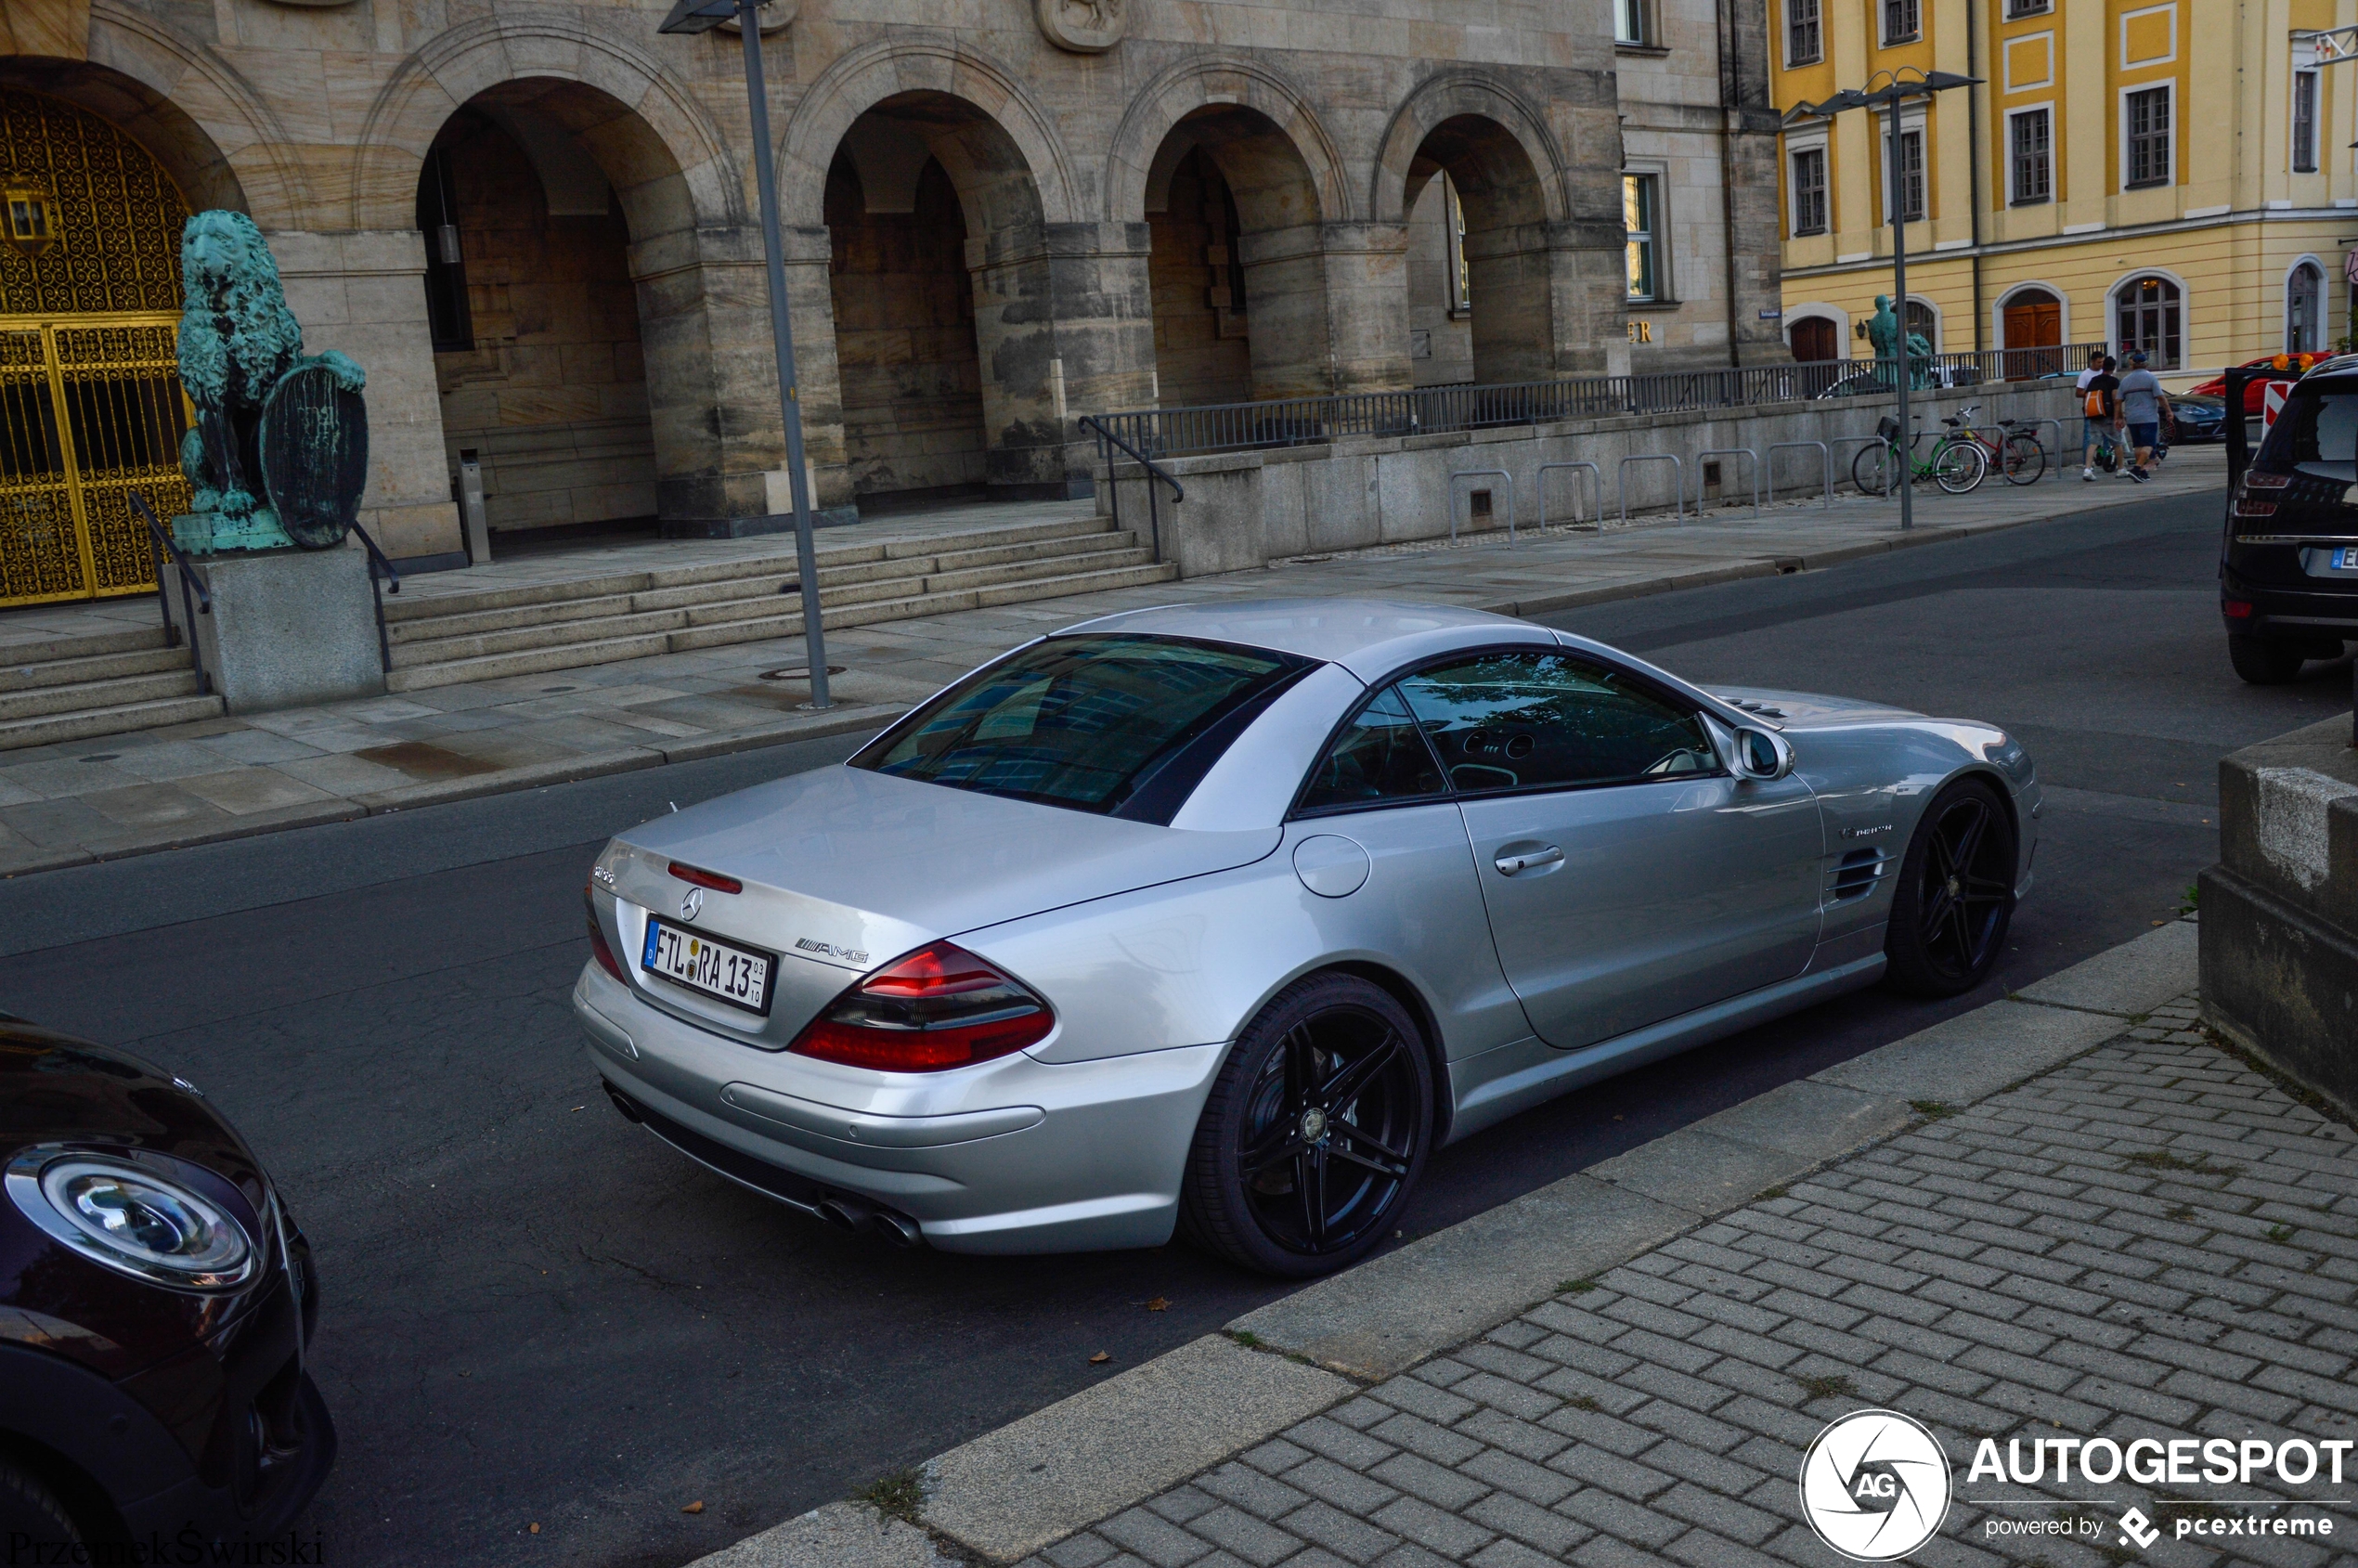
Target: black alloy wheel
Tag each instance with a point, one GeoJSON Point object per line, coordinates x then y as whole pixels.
{"type": "Point", "coordinates": [1315, 1132]}
{"type": "Point", "coordinates": [1956, 893]}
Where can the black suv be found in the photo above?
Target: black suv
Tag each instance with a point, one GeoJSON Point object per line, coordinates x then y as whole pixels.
{"type": "Point", "coordinates": [2289, 573]}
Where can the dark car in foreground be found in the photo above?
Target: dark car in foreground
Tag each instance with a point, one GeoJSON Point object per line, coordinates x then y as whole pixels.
{"type": "Point", "coordinates": [155, 1301]}
{"type": "Point", "coordinates": [2288, 572]}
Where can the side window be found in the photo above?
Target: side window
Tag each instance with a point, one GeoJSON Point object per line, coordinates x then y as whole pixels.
{"type": "Point", "coordinates": [1379, 756]}
{"type": "Point", "coordinates": [1526, 719]}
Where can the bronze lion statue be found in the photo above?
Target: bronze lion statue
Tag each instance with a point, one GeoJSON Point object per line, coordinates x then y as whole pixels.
{"type": "Point", "coordinates": [238, 339]}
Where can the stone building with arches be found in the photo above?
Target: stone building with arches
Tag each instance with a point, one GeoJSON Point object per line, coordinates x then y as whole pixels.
{"type": "Point", "coordinates": [534, 224]}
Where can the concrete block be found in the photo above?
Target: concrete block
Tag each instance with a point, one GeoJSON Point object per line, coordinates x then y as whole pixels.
{"type": "Point", "coordinates": [1036, 1480]}
{"type": "Point", "coordinates": [1701, 1171]}
{"type": "Point", "coordinates": [1964, 1058]}
{"type": "Point", "coordinates": [288, 627]}
{"type": "Point", "coordinates": [839, 1535]}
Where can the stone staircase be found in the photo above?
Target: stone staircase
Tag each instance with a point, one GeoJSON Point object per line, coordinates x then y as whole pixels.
{"type": "Point", "coordinates": [73, 688]}
{"type": "Point", "coordinates": [528, 629]}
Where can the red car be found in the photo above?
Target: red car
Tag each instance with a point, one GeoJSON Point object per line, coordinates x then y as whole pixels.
{"type": "Point", "coordinates": [2255, 392]}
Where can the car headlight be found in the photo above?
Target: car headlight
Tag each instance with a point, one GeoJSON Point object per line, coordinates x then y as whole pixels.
{"type": "Point", "coordinates": [133, 1218]}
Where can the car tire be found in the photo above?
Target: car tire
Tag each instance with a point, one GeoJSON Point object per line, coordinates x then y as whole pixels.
{"type": "Point", "coordinates": [1315, 1132]}
{"type": "Point", "coordinates": [29, 1510]}
{"type": "Point", "coordinates": [2264, 663]}
{"type": "Point", "coordinates": [1955, 896]}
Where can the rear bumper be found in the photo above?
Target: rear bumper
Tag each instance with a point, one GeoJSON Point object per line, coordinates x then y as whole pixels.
{"type": "Point", "coordinates": [2316, 608]}
{"type": "Point", "coordinates": [1010, 1156]}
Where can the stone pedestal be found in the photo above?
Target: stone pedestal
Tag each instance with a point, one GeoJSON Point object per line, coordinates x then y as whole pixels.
{"type": "Point", "coordinates": [289, 628]}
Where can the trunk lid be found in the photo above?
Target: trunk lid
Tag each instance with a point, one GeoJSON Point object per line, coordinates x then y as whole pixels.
{"type": "Point", "coordinates": [845, 870]}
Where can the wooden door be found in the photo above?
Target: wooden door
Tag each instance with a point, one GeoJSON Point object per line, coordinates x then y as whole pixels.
{"type": "Point", "coordinates": [2033, 321]}
{"type": "Point", "coordinates": [1813, 339]}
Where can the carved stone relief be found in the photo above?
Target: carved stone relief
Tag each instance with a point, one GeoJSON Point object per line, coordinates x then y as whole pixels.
{"type": "Point", "coordinates": [1086, 27]}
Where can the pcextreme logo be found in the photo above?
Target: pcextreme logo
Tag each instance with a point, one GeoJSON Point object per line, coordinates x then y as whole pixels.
{"type": "Point", "coordinates": [1876, 1485]}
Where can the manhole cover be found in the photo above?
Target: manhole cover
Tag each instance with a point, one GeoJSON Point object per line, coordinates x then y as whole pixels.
{"type": "Point", "coordinates": [798, 672]}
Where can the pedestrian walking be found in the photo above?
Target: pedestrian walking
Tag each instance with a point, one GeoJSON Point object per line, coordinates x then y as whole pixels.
{"type": "Point", "coordinates": [2144, 404]}
{"type": "Point", "coordinates": [2100, 413]}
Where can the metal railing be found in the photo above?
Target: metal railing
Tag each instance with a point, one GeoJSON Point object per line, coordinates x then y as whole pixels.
{"type": "Point", "coordinates": [379, 586]}
{"type": "Point", "coordinates": [194, 600]}
{"type": "Point", "coordinates": [1107, 444]}
{"type": "Point", "coordinates": [1703, 467]}
{"type": "Point", "coordinates": [1300, 422]}
{"type": "Point", "coordinates": [1596, 488]}
{"type": "Point", "coordinates": [1826, 466]}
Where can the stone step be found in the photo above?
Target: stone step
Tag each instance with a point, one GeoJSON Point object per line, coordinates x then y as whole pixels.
{"type": "Point", "coordinates": [589, 628]}
{"type": "Point", "coordinates": [1052, 570]}
{"type": "Point", "coordinates": [91, 666]}
{"type": "Point", "coordinates": [400, 608]}
{"type": "Point", "coordinates": [39, 701]}
{"type": "Point", "coordinates": [493, 666]}
{"type": "Point", "coordinates": [54, 650]}
{"type": "Point", "coordinates": [85, 723]}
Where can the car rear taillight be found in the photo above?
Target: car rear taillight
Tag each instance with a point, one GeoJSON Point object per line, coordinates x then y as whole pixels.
{"type": "Point", "coordinates": [2255, 480]}
{"type": "Point", "coordinates": [2246, 507]}
{"type": "Point", "coordinates": [703, 878]}
{"type": "Point", "coordinates": [599, 949]}
{"type": "Point", "coordinates": [2235, 609]}
{"type": "Point", "coordinates": [933, 1009]}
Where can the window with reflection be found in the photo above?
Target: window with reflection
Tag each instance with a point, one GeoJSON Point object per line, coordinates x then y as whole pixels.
{"type": "Point", "coordinates": [1525, 718]}
{"type": "Point", "coordinates": [1378, 758]}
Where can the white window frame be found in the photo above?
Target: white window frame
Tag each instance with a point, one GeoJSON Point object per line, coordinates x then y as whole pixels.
{"type": "Point", "coordinates": [2185, 310]}
{"type": "Point", "coordinates": [2127, 159]}
{"type": "Point", "coordinates": [1883, 22]}
{"type": "Point", "coordinates": [1794, 148]}
{"type": "Point", "coordinates": [1665, 289]}
{"type": "Point", "coordinates": [1633, 23]}
{"type": "Point", "coordinates": [2324, 309]}
{"type": "Point", "coordinates": [1911, 124]}
{"type": "Point", "coordinates": [2012, 198]}
{"type": "Point", "coordinates": [2017, 10]}
{"type": "Point", "coordinates": [2310, 74]}
{"type": "Point", "coordinates": [1939, 317]}
{"type": "Point", "coordinates": [1792, 59]}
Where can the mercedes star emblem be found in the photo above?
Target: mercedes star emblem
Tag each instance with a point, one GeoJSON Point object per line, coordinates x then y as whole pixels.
{"type": "Point", "coordinates": [691, 905]}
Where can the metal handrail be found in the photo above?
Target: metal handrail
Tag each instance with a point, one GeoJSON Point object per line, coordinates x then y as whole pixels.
{"type": "Point", "coordinates": [194, 600]}
{"type": "Point", "coordinates": [1106, 438]}
{"type": "Point", "coordinates": [1826, 466]}
{"type": "Point", "coordinates": [1728, 452]}
{"type": "Point", "coordinates": [1595, 490]}
{"type": "Point", "coordinates": [1297, 421]}
{"type": "Point", "coordinates": [1481, 474]}
{"type": "Point", "coordinates": [378, 589]}
{"type": "Point", "coordinates": [1677, 482]}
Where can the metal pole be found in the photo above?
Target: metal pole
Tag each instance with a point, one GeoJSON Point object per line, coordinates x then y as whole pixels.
{"type": "Point", "coordinates": [781, 334]}
{"type": "Point", "coordinates": [1899, 282]}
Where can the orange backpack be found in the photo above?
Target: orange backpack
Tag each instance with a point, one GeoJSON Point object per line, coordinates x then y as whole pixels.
{"type": "Point", "coordinates": [2095, 404]}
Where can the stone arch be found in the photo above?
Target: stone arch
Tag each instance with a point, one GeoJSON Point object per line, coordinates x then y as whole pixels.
{"type": "Point", "coordinates": [214, 134]}
{"type": "Point", "coordinates": [669, 161]}
{"type": "Point", "coordinates": [994, 138]}
{"type": "Point", "coordinates": [1492, 127]}
{"type": "Point", "coordinates": [1503, 173]}
{"type": "Point", "coordinates": [1217, 82]}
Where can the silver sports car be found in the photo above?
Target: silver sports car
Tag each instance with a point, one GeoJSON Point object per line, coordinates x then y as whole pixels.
{"type": "Point", "coordinates": [1225, 917]}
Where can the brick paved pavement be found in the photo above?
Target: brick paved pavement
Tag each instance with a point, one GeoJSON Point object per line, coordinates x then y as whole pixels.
{"type": "Point", "coordinates": [2150, 1240]}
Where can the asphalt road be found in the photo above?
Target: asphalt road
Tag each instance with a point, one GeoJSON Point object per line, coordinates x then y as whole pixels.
{"type": "Point", "coordinates": [536, 1314]}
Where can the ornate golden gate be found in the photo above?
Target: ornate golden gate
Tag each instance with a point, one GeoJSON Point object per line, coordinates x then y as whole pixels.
{"type": "Point", "coordinates": [90, 400]}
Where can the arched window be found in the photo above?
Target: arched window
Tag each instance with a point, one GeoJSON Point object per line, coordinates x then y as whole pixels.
{"type": "Point", "coordinates": [2305, 309]}
{"type": "Point", "coordinates": [1923, 322]}
{"type": "Point", "coordinates": [2150, 317]}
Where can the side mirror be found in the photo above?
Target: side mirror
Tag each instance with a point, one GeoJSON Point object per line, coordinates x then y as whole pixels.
{"type": "Point", "coordinates": [1762, 755]}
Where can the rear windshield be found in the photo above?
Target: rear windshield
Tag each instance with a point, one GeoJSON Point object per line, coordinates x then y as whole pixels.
{"type": "Point", "coordinates": [1121, 726]}
{"type": "Point", "coordinates": [2317, 430]}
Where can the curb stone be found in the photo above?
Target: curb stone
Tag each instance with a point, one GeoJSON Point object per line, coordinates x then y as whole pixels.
{"type": "Point", "coordinates": [990, 1497]}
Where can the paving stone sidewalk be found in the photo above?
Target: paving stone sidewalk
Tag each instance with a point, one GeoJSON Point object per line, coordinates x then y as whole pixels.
{"type": "Point", "coordinates": [77, 801]}
{"type": "Point", "coordinates": [2151, 1241]}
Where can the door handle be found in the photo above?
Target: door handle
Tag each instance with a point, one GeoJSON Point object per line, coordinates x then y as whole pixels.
{"type": "Point", "coordinates": [1529, 859]}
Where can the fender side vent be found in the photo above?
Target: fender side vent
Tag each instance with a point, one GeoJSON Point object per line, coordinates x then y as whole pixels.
{"type": "Point", "coordinates": [1858, 874]}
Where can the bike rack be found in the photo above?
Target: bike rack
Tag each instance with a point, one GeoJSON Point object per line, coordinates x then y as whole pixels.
{"type": "Point", "coordinates": [1483, 473]}
{"type": "Point", "coordinates": [2057, 460]}
{"type": "Point", "coordinates": [1596, 491]}
{"type": "Point", "coordinates": [1826, 466]}
{"type": "Point", "coordinates": [1728, 452]}
{"type": "Point", "coordinates": [1677, 482]}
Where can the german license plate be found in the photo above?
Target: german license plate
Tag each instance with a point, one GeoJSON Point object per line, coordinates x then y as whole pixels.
{"type": "Point", "coordinates": [2346, 559]}
{"type": "Point", "coordinates": [738, 976]}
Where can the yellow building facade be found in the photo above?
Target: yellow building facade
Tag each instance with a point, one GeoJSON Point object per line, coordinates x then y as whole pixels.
{"type": "Point", "coordinates": [2175, 175]}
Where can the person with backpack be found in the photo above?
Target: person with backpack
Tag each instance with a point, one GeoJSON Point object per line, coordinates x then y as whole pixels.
{"type": "Point", "coordinates": [2143, 406]}
{"type": "Point", "coordinates": [2100, 414]}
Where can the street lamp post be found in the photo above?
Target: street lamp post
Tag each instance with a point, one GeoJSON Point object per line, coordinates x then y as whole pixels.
{"type": "Point", "coordinates": [702, 16]}
{"type": "Point", "coordinates": [1887, 90]}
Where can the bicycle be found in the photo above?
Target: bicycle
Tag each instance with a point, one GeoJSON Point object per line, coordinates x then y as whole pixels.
{"type": "Point", "coordinates": [1957, 464]}
{"type": "Point", "coordinates": [2016, 452]}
